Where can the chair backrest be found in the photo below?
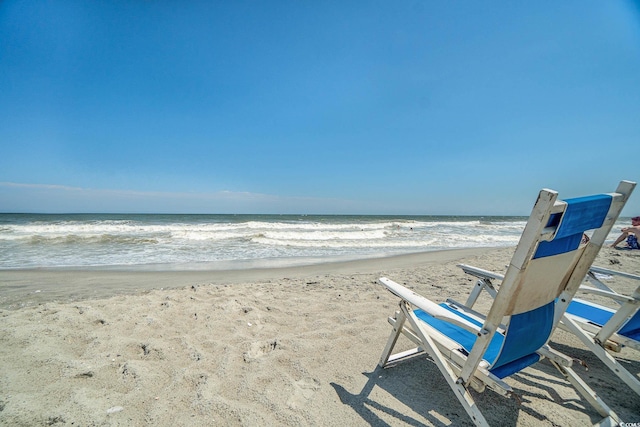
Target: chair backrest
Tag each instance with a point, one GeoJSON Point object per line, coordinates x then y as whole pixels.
{"type": "Point", "coordinates": [545, 276]}
{"type": "Point", "coordinates": [549, 259]}
{"type": "Point", "coordinates": [552, 262]}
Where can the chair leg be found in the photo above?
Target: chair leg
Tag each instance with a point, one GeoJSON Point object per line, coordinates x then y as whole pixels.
{"type": "Point", "coordinates": [393, 338]}
{"type": "Point", "coordinates": [455, 383]}
{"type": "Point", "coordinates": [611, 363]}
{"type": "Point", "coordinates": [477, 290]}
{"type": "Point", "coordinates": [610, 417]}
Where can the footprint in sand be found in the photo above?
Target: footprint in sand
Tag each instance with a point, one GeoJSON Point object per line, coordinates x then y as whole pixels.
{"type": "Point", "coordinates": [259, 349]}
{"type": "Point", "coordinates": [303, 391]}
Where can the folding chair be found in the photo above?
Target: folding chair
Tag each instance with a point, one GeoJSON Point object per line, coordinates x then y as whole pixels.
{"type": "Point", "coordinates": [599, 327]}
{"type": "Point", "coordinates": [477, 351]}
{"type": "Point", "coordinates": [602, 328]}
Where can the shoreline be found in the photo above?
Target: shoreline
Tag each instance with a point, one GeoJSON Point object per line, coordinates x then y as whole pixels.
{"type": "Point", "coordinates": [32, 286]}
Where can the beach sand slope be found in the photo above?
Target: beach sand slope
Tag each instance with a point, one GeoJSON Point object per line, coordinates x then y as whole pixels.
{"type": "Point", "coordinates": [297, 348]}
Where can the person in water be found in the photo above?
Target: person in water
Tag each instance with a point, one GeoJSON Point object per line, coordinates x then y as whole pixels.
{"type": "Point", "coordinates": [631, 234]}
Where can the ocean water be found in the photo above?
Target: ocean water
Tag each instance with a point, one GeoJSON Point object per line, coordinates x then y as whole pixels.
{"type": "Point", "coordinates": [236, 241]}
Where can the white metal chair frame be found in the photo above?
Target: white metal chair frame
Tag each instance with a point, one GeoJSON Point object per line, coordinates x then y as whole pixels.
{"type": "Point", "coordinates": [463, 369]}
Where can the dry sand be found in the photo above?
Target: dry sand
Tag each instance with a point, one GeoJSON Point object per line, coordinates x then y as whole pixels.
{"type": "Point", "coordinates": [296, 346]}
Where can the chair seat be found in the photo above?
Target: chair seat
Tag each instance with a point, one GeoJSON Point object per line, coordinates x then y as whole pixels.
{"type": "Point", "coordinates": [594, 313]}
{"type": "Point", "coordinates": [467, 339]}
{"type": "Point", "coordinates": [598, 315]}
{"type": "Point", "coordinates": [463, 337]}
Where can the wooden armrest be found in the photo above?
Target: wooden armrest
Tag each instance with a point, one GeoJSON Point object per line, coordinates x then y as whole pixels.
{"type": "Point", "coordinates": [427, 305]}
{"type": "Point", "coordinates": [480, 273]}
{"type": "Point", "coordinates": [609, 294]}
{"type": "Point", "coordinates": [602, 270]}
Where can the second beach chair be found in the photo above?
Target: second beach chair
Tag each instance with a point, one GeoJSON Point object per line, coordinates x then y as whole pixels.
{"type": "Point", "coordinates": [476, 351]}
{"type": "Point", "coordinates": [603, 328]}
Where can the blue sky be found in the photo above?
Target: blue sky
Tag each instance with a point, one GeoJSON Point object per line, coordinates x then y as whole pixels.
{"type": "Point", "coordinates": [412, 107]}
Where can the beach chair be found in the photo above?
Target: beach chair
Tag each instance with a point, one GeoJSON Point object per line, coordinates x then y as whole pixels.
{"type": "Point", "coordinates": [472, 350]}
{"type": "Point", "coordinates": [602, 328]}
{"type": "Point", "coordinates": [599, 327]}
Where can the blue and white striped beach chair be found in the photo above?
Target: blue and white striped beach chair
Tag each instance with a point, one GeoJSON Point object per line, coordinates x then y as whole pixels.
{"type": "Point", "coordinates": [549, 263]}
{"type": "Point", "coordinates": [600, 327]}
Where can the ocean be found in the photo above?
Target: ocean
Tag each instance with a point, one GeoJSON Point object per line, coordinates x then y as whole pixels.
{"type": "Point", "coordinates": [237, 241]}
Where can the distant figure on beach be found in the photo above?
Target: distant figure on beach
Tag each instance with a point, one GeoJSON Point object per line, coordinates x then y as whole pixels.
{"type": "Point", "coordinates": [632, 234]}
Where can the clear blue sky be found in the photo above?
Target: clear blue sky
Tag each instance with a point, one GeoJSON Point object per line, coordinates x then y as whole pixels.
{"type": "Point", "coordinates": [410, 107]}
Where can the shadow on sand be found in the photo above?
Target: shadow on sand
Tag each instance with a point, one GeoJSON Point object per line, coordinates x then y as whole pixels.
{"type": "Point", "coordinates": [415, 393]}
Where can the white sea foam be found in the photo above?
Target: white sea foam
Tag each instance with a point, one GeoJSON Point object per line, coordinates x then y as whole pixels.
{"type": "Point", "coordinates": [108, 240]}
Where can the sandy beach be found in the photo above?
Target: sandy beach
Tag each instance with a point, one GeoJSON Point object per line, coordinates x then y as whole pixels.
{"type": "Point", "coordinates": [291, 346]}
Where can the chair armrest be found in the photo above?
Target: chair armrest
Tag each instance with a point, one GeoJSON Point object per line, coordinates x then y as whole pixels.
{"type": "Point", "coordinates": [602, 270]}
{"type": "Point", "coordinates": [609, 294]}
{"type": "Point", "coordinates": [427, 305]}
{"type": "Point", "coordinates": [484, 282]}
{"type": "Point", "coordinates": [604, 290]}
{"type": "Point", "coordinates": [554, 355]}
{"type": "Point", "coordinates": [480, 273]}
